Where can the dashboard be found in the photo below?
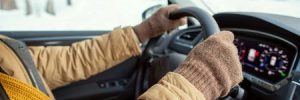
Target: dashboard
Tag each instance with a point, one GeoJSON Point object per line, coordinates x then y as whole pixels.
{"type": "Point", "coordinates": [268, 48]}
{"type": "Point", "coordinates": [267, 45]}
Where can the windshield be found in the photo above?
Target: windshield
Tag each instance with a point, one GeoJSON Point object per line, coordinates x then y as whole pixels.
{"type": "Point", "coordinates": [20, 15]}
{"type": "Point", "coordinates": [281, 7]}
{"type": "Point", "coordinates": [52, 15]}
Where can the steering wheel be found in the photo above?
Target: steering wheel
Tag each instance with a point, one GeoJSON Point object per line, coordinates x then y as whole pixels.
{"type": "Point", "coordinates": [209, 27]}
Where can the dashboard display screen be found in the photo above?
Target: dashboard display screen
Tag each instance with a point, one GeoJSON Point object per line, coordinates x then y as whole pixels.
{"type": "Point", "coordinates": [264, 59]}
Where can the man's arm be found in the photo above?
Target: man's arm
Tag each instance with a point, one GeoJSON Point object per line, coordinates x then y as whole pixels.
{"type": "Point", "coordinates": [211, 69]}
{"type": "Point", "coordinates": [61, 65]}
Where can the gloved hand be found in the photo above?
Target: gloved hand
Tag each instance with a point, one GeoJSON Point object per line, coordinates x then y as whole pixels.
{"type": "Point", "coordinates": [158, 23]}
{"type": "Point", "coordinates": [213, 66]}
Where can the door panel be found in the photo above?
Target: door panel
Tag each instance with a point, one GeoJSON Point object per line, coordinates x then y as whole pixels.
{"type": "Point", "coordinates": [105, 85]}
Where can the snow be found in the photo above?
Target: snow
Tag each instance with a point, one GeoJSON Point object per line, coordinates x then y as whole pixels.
{"type": "Point", "coordinates": [281, 7]}
{"type": "Point", "coordinates": [82, 15]}
{"type": "Point", "coordinates": [108, 14]}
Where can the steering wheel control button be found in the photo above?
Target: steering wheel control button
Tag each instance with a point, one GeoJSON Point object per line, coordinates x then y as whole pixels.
{"type": "Point", "coordinates": [113, 83]}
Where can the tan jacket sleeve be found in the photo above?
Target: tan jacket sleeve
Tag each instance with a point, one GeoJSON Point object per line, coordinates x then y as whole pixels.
{"type": "Point", "coordinates": [172, 86]}
{"type": "Point", "coordinates": [61, 65]}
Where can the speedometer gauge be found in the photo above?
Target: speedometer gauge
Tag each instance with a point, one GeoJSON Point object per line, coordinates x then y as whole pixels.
{"type": "Point", "coordinates": [273, 60]}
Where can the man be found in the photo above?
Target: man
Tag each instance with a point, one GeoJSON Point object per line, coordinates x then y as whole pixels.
{"type": "Point", "coordinates": [207, 73]}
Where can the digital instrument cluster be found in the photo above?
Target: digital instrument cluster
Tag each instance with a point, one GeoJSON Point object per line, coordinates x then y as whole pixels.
{"type": "Point", "coordinates": [264, 59]}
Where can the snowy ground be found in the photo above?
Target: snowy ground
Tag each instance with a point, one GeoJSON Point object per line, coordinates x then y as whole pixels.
{"type": "Point", "coordinates": [83, 15]}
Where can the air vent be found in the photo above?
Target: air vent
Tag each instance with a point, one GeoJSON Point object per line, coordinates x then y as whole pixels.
{"type": "Point", "coordinates": [189, 36]}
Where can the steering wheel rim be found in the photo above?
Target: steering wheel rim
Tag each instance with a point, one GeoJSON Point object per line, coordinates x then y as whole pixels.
{"type": "Point", "coordinates": [209, 27]}
{"type": "Point", "coordinates": [208, 23]}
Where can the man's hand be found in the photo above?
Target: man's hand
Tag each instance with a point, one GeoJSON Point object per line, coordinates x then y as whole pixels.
{"type": "Point", "coordinates": [158, 23]}
{"type": "Point", "coordinates": [213, 66]}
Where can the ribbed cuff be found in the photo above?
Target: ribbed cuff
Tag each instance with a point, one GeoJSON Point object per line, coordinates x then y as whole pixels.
{"type": "Point", "coordinates": [202, 78]}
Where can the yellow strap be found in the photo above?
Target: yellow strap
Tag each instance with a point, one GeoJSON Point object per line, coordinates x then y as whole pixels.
{"type": "Point", "coordinates": [17, 90]}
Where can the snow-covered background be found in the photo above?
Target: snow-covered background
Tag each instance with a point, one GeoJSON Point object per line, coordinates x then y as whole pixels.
{"type": "Point", "coordinates": [281, 7]}
{"type": "Point", "coordinates": [82, 15]}
{"type": "Point", "coordinates": [108, 14]}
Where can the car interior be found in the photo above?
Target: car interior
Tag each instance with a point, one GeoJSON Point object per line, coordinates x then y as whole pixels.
{"type": "Point", "coordinates": [267, 47]}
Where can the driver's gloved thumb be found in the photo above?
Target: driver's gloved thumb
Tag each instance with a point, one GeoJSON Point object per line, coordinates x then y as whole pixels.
{"type": "Point", "coordinates": [159, 23]}
{"type": "Point", "coordinates": [213, 66]}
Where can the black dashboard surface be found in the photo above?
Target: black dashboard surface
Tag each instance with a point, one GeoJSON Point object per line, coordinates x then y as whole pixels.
{"type": "Point", "coordinates": [287, 23]}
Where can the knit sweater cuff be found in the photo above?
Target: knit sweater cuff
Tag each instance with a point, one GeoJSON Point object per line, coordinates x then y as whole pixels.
{"type": "Point", "coordinates": [202, 78]}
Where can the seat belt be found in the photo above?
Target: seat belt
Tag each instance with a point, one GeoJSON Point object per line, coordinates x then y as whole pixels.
{"type": "Point", "coordinates": [23, 54]}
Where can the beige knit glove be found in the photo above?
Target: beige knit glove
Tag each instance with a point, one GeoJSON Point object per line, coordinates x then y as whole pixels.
{"type": "Point", "coordinates": [213, 66]}
{"type": "Point", "coordinates": [158, 23]}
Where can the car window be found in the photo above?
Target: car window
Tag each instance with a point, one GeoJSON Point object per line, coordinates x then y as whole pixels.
{"type": "Point", "coordinates": [281, 7]}
{"type": "Point", "coordinates": [20, 15]}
